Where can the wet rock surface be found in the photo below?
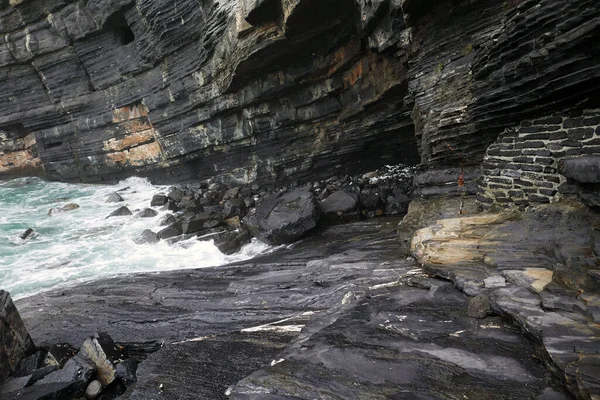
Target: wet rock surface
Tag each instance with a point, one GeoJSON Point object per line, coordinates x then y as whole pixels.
{"type": "Point", "coordinates": [543, 260]}
{"type": "Point", "coordinates": [342, 311]}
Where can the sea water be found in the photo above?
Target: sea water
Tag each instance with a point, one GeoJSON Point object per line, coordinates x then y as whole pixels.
{"type": "Point", "coordinates": [82, 245]}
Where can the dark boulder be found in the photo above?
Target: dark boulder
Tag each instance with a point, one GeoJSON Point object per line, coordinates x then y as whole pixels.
{"type": "Point", "coordinates": [175, 229]}
{"type": "Point", "coordinates": [158, 200]}
{"type": "Point", "coordinates": [15, 342]}
{"type": "Point", "coordinates": [28, 364]}
{"type": "Point", "coordinates": [204, 220]}
{"type": "Point", "coordinates": [194, 205]}
{"type": "Point", "coordinates": [120, 212]}
{"type": "Point", "coordinates": [231, 193]}
{"type": "Point", "coordinates": [167, 220]}
{"type": "Point", "coordinates": [479, 306]}
{"type": "Point", "coordinates": [339, 202]}
{"type": "Point", "coordinates": [397, 204]}
{"type": "Point", "coordinates": [234, 208]}
{"type": "Point", "coordinates": [126, 371]}
{"type": "Point", "coordinates": [176, 194]}
{"type": "Point", "coordinates": [231, 242]}
{"type": "Point", "coordinates": [585, 169]}
{"type": "Point", "coordinates": [285, 217]}
{"type": "Point", "coordinates": [171, 205]}
{"type": "Point", "coordinates": [370, 201]}
{"type": "Point", "coordinates": [147, 213]}
{"type": "Point", "coordinates": [27, 234]}
{"type": "Point", "coordinates": [114, 198]}
{"type": "Point", "coordinates": [147, 237]}
{"type": "Point", "coordinates": [61, 353]}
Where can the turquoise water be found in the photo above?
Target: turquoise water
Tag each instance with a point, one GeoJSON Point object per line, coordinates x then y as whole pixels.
{"type": "Point", "coordinates": [82, 245]}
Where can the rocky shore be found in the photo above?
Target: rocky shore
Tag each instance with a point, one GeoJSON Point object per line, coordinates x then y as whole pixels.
{"type": "Point", "coordinates": [498, 302]}
{"type": "Point", "coordinates": [342, 313]}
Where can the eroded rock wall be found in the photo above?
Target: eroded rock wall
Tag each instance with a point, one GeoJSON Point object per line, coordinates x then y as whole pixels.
{"type": "Point", "coordinates": [279, 90]}
{"type": "Point", "coordinates": [245, 90]}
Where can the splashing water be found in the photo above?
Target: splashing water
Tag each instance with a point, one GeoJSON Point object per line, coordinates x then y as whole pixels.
{"type": "Point", "coordinates": [81, 245]}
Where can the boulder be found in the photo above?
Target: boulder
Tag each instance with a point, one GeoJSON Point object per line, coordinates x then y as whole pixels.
{"type": "Point", "coordinates": [13, 385]}
{"type": "Point", "coordinates": [126, 371]}
{"type": "Point", "coordinates": [15, 342]}
{"type": "Point", "coordinates": [120, 212]}
{"type": "Point", "coordinates": [114, 198]}
{"type": "Point", "coordinates": [101, 351]}
{"type": "Point", "coordinates": [28, 364]}
{"type": "Point", "coordinates": [231, 242]}
{"type": "Point", "coordinates": [93, 390]}
{"type": "Point", "coordinates": [338, 203]}
{"type": "Point", "coordinates": [27, 234]}
{"type": "Point", "coordinates": [147, 213]}
{"type": "Point", "coordinates": [158, 200]}
{"type": "Point", "coordinates": [175, 229]}
{"type": "Point", "coordinates": [171, 205]}
{"type": "Point", "coordinates": [175, 194]}
{"type": "Point", "coordinates": [70, 207]}
{"type": "Point", "coordinates": [66, 207]}
{"type": "Point", "coordinates": [397, 204]}
{"type": "Point", "coordinates": [167, 220]}
{"type": "Point", "coordinates": [204, 220]}
{"type": "Point", "coordinates": [284, 217]}
{"type": "Point", "coordinates": [234, 208]}
{"type": "Point", "coordinates": [585, 169]}
{"type": "Point", "coordinates": [479, 306]}
{"type": "Point", "coordinates": [231, 193]}
{"type": "Point", "coordinates": [76, 373]}
{"type": "Point", "coordinates": [370, 202]}
{"type": "Point", "coordinates": [147, 237]}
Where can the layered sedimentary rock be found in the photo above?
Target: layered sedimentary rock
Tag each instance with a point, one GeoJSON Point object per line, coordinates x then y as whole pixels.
{"type": "Point", "coordinates": [246, 90]}
{"type": "Point", "coordinates": [253, 90]}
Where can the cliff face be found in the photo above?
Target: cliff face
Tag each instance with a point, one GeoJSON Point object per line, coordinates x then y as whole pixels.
{"type": "Point", "coordinates": [275, 90]}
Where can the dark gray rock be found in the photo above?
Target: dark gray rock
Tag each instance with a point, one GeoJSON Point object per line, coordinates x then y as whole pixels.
{"type": "Point", "coordinates": [147, 237]}
{"type": "Point", "coordinates": [339, 202]}
{"type": "Point", "coordinates": [158, 200]}
{"type": "Point", "coordinates": [14, 385]}
{"type": "Point", "coordinates": [234, 207]}
{"type": "Point", "coordinates": [397, 204]}
{"type": "Point", "coordinates": [232, 242]}
{"type": "Point", "coordinates": [302, 323]}
{"type": "Point", "coordinates": [126, 371]}
{"type": "Point", "coordinates": [175, 194]}
{"type": "Point", "coordinates": [479, 306]}
{"type": "Point", "coordinates": [175, 229]}
{"type": "Point", "coordinates": [120, 212]}
{"type": "Point", "coordinates": [114, 198]}
{"type": "Point", "coordinates": [168, 220]}
{"type": "Point", "coordinates": [370, 202]}
{"type": "Point", "coordinates": [28, 364]}
{"type": "Point", "coordinates": [146, 213]}
{"type": "Point", "coordinates": [585, 169]}
{"type": "Point", "coordinates": [27, 234]}
{"type": "Point", "coordinates": [285, 217]}
{"type": "Point", "coordinates": [76, 373]}
{"type": "Point", "coordinates": [15, 342]}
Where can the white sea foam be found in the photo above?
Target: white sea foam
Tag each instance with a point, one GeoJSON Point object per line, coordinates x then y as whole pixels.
{"type": "Point", "coordinates": [81, 245]}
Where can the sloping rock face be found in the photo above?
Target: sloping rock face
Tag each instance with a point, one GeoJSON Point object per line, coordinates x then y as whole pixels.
{"type": "Point", "coordinates": [15, 342]}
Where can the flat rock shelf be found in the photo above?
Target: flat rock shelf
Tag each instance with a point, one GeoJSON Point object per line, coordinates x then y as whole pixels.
{"type": "Point", "coordinates": [342, 314]}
